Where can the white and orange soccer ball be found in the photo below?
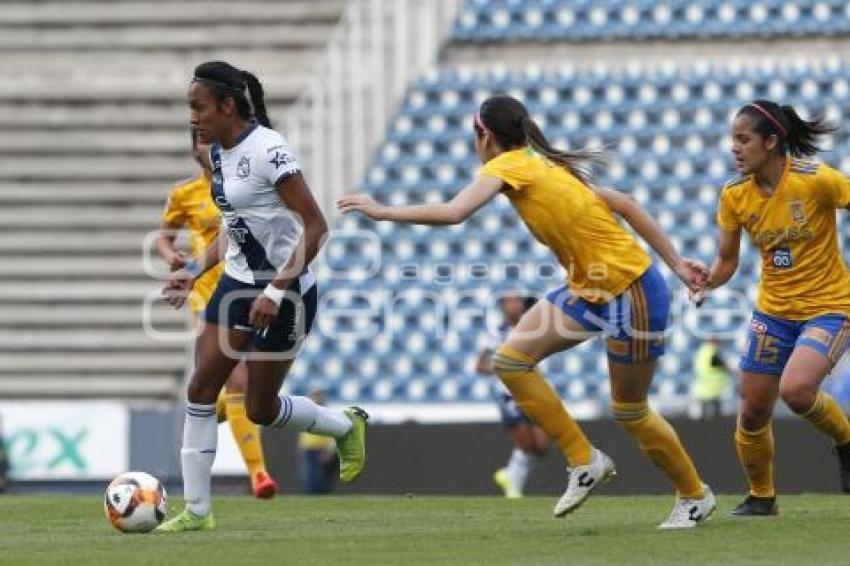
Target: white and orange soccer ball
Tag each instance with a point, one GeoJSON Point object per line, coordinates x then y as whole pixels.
{"type": "Point", "coordinates": [135, 502]}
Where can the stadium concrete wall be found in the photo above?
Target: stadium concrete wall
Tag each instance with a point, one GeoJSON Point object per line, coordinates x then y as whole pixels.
{"type": "Point", "coordinates": [461, 458]}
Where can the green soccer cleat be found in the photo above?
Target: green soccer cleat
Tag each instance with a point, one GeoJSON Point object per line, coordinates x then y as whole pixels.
{"type": "Point", "coordinates": [500, 477]}
{"type": "Point", "coordinates": [352, 446]}
{"type": "Point", "coordinates": [187, 521]}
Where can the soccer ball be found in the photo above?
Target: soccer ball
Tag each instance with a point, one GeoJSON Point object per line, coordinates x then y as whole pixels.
{"type": "Point", "coordinates": [135, 502]}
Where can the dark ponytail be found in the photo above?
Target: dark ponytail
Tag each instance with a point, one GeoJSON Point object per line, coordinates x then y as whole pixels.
{"type": "Point", "coordinates": [255, 91]}
{"type": "Point", "coordinates": [796, 136]}
{"type": "Point", "coordinates": [226, 81]}
{"type": "Point", "coordinates": [512, 127]}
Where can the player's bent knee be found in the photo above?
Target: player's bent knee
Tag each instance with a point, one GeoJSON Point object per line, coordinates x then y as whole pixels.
{"type": "Point", "coordinates": [200, 392]}
{"type": "Point", "coordinates": [754, 417]}
{"type": "Point", "coordinates": [753, 421]}
{"type": "Point", "coordinates": [798, 397]}
{"type": "Point", "coordinates": [507, 361]}
{"type": "Point", "coordinates": [262, 414]}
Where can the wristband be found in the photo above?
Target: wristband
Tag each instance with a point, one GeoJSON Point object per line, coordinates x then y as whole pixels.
{"type": "Point", "coordinates": [273, 293]}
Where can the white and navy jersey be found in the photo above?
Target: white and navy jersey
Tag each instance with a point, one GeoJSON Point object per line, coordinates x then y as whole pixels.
{"type": "Point", "coordinates": [262, 232]}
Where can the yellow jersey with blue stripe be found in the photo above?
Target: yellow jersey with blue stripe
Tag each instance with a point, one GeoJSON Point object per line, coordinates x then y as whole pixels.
{"type": "Point", "coordinates": [190, 206]}
{"type": "Point", "coordinates": [803, 274]}
{"type": "Point", "coordinates": [602, 259]}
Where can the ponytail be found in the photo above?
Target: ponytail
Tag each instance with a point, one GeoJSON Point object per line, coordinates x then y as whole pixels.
{"type": "Point", "coordinates": [581, 163]}
{"type": "Point", "coordinates": [797, 137]}
{"type": "Point", "coordinates": [802, 135]}
{"type": "Point", "coordinates": [507, 119]}
{"type": "Point", "coordinates": [255, 91]}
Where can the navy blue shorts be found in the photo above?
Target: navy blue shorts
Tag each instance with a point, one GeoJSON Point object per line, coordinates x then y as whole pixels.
{"type": "Point", "coordinates": [230, 306]}
{"type": "Point", "coordinates": [771, 340]}
{"type": "Point", "coordinates": [633, 322]}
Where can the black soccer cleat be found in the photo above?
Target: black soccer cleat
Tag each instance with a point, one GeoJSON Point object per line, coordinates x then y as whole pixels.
{"type": "Point", "coordinates": [843, 453]}
{"type": "Point", "coordinates": [754, 506]}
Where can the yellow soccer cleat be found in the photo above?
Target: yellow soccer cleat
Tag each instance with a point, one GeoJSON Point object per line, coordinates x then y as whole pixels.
{"type": "Point", "coordinates": [352, 446]}
{"type": "Point", "coordinates": [187, 521]}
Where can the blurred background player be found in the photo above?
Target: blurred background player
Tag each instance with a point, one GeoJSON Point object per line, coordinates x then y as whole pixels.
{"type": "Point", "coordinates": [799, 328]}
{"type": "Point", "coordinates": [318, 462]}
{"type": "Point", "coordinates": [190, 206]}
{"type": "Point", "coordinates": [614, 290]}
{"type": "Point", "coordinates": [712, 379]}
{"type": "Point", "coordinates": [530, 441]}
{"type": "Point", "coordinates": [265, 302]}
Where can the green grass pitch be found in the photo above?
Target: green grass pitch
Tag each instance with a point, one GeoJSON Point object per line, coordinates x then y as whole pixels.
{"type": "Point", "coordinates": [427, 530]}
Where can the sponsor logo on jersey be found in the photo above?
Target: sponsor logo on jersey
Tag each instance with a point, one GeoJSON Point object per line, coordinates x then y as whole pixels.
{"type": "Point", "coordinates": [281, 159]}
{"type": "Point", "coordinates": [782, 258]}
{"type": "Point", "coordinates": [771, 238]}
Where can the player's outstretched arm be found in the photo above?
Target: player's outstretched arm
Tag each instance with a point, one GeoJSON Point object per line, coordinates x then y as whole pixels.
{"type": "Point", "coordinates": [462, 206]}
{"type": "Point", "coordinates": [693, 273]}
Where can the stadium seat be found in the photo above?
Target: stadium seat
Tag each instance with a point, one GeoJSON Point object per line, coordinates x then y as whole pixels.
{"type": "Point", "coordinates": [489, 21]}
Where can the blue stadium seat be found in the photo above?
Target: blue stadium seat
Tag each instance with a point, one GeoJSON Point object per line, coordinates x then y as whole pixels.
{"type": "Point", "coordinates": [487, 21]}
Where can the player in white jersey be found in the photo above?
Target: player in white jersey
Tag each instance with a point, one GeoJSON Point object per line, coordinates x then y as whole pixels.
{"type": "Point", "coordinates": [265, 303]}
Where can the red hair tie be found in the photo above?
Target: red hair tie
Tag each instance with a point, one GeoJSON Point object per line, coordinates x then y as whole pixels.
{"type": "Point", "coordinates": [775, 122]}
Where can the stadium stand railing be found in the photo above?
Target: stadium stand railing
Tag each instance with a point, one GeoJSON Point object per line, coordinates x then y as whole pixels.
{"type": "Point", "coordinates": [377, 49]}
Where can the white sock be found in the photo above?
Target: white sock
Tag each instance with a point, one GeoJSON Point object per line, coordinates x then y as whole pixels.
{"type": "Point", "coordinates": [518, 467]}
{"type": "Point", "coordinates": [200, 438]}
{"type": "Point", "coordinates": [301, 413]}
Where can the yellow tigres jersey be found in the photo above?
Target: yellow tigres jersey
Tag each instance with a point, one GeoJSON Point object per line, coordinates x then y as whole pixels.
{"type": "Point", "coordinates": [803, 274]}
{"type": "Point", "coordinates": [190, 205]}
{"type": "Point", "coordinates": [576, 224]}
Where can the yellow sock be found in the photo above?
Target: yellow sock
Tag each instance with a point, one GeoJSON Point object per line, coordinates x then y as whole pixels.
{"type": "Point", "coordinates": [827, 416]}
{"type": "Point", "coordinates": [246, 433]}
{"type": "Point", "coordinates": [659, 441]}
{"type": "Point", "coordinates": [539, 401]}
{"type": "Point", "coordinates": [755, 451]}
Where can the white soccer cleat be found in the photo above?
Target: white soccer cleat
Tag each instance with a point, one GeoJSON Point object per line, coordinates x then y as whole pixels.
{"type": "Point", "coordinates": [688, 513]}
{"type": "Point", "coordinates": [584, 479]}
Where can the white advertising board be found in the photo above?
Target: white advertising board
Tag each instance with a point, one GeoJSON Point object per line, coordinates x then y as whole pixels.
{"type": "Point", "coordinates": [66, 440]}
